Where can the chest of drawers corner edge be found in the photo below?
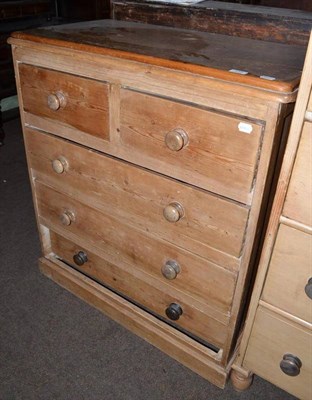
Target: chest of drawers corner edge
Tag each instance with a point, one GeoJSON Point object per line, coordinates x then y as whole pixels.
{"type": "Point", "coordinates": [276, 342]}
{"type": "Point", "coordinates": [147, 207]}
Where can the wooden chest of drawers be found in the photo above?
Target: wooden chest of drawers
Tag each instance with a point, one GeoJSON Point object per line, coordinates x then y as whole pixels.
{"type": "Point", "coordinates": [151, 164]}
{"type": "Point", "coordinates": [277, 340]}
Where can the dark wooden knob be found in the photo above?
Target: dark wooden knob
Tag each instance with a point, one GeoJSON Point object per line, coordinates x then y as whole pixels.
{"type": "Point", "coordinates": [80, 258]}
{"type": "Point", "coordinates": [176, 139]}
{"type": "Point", "coordinates": [308, 288]}
{"type": "Point", "coordinates": [174, 311]}
{"type": "Point", "coordinates": [170, 270]}
{"type": "Point", "coordinates": [173, 212]}
{"type": "Point", "coordinates": [290, 365]}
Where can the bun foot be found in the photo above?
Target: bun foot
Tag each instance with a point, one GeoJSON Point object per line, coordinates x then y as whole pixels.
{"type": "Point", "coordinates": [241, 382]}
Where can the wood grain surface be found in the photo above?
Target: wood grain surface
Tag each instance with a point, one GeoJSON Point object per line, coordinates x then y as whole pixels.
{"type": "Point", "coordinates": [143, 290]}
{"type": "Point", "coordinates": [249, 21]}
{"type": "Point", "coordinates": [86, 105]}
{"type": "Point", "coordinates": [215, 157]}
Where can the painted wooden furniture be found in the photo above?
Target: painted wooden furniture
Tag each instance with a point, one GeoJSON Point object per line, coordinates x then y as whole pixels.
{"type": "Point", "coordinates": [277, 340]}
{"type": "Point", "coordinates": [151, 153]}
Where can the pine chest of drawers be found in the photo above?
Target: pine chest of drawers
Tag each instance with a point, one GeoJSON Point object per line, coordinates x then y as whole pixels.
{"type": "Point", "coordinates": [151, 153]}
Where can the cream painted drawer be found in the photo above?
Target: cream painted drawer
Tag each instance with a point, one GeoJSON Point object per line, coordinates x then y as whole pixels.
{"type": "Point", "coordinates": [142, 289]}
{"type": "Point", "coordinates": [289, 272]}
{"type": "Point", "coordinates": [273, 337]}
{"type": "Point", "coordinates": [298, 204]}
{"type": "Point", "coordinates": [66, 99]}
{"type": "Point", "coordinates": [204, 281]}
{"type": "Point", "coordinates": [209, 226]}
{"type": "Point", "coordinates": [217, 152]}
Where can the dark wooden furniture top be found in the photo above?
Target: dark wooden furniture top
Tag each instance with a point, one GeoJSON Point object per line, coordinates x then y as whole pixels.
{"type": "Point", "coordinates": [272, 66]}
{"type": "Point", "coordinates": [257, 22]}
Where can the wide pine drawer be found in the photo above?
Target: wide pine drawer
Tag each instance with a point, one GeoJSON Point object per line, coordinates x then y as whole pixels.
{"type": "Point", "coordinates": [210, 150]}
{"type": "Point", "coordinates": [144, 290]}
{"type": "Point", "coordinates": [205, 282]}
{"type": "Point", "coordinates": [187, 217]}
{"type": "Point", "coordinates": [66, 99]}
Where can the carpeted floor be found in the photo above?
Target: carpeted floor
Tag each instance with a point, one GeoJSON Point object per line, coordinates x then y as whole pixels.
{"type": "Point", "coordinates": [54, 346]}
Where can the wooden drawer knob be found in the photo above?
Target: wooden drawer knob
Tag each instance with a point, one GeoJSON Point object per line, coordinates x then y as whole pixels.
{"type": "Point", "coordinates": [80, 258]}
{"type": "Point", "coordinates": [56, 101]}
{"type": "Point", "coordinates": [173, 212]}
{"type": "Point", "coordinates": [60, 165]}
{"type": "Point", "coordinates": [308, 288]}
{"type": "Point", "coordinates": [174, 311]}
{"type": "Point", "coordinates": [290, 365]}
{"type": "Point", "coordinates": [170, 270]}
{"type": "Point", "coordinates": [67, 217]}
{"type": "Point", "coordinates": [176, 139]}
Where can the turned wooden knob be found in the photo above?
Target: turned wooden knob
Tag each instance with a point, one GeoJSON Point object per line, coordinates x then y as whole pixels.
{"type": "Point", "coordinates": [173, 212]}
{"type": "Point", "coordinates": [174, 311]}
{"type": "Point", "coordinates": [170, 270]}
{"type": "Point", "coordinates": [176, 139]}
{"type": "Point", "coordinates": [67, 217]}
{"type": "Point", "coordinates": [80, 258]}
{"type": "Point", "coordinates": [290, 365]}
{"type": "Point", "coordinates": [308, 288]}
{"type": "Point", "coordinates": [56, 101]}
{"type": "Point", "coordinates": [60, 165]}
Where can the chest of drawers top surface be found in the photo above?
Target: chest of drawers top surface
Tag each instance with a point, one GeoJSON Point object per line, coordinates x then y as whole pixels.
{"type": "Point", "coordinates": [257, 63]}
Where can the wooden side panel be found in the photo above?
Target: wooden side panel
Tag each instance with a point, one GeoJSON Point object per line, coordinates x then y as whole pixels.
{"type": "Point", "coordinates": [215, 157]}
{"type": "Point", "coordinates": [289, 271]}
{"type": "Point", "coordinates": [138, 197]}
{"type": "Point", "coordinates": [86, 100]}
{"type": "Point", "coordinates": [299, 196]}
{"type": "Point", "coordinates": [271, 338]}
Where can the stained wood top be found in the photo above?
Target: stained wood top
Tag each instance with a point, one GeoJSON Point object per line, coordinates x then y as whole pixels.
{"type": "Point", "coordinates": [272, 24]}
{"type": "Point", "coordinates": [204, 53]}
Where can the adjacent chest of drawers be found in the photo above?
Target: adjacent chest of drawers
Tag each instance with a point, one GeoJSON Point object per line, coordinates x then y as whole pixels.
{"type": "Point", "coordinates": [277, 342]}
{"type": "Point", "coordinates": [150, 169]}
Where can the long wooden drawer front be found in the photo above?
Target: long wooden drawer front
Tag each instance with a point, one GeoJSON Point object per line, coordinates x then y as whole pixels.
{"type": "Point", "coordinates": [213, 151]}
{"type": "Point", "coordinates": [204, 281]}
{"type": "Point", "coordinates": [298, 200]}
{"type": "Point", "coordinates": [202, 223]}
{"type": "Point", "coordinates": [67, 99]}
{"type": "Point", "coordinates": [274, 340]}
{"type": "Point", "coordinates": [289, 273]}
{"type": "Point", "coordinates": [143, 290]}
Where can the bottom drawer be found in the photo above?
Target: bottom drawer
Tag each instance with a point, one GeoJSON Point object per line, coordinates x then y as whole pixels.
{"type": "Point", "coordinates": [141, 289]}
{"type": "Point", "coordinates": [271, 339]}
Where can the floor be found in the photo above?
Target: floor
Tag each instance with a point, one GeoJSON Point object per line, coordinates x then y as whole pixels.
{"type": "Point", "coordinates": [54, 346]}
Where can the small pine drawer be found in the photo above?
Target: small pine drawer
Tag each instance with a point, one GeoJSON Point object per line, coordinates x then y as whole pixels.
{"type": "Point", "coordinates": [66, 99]}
